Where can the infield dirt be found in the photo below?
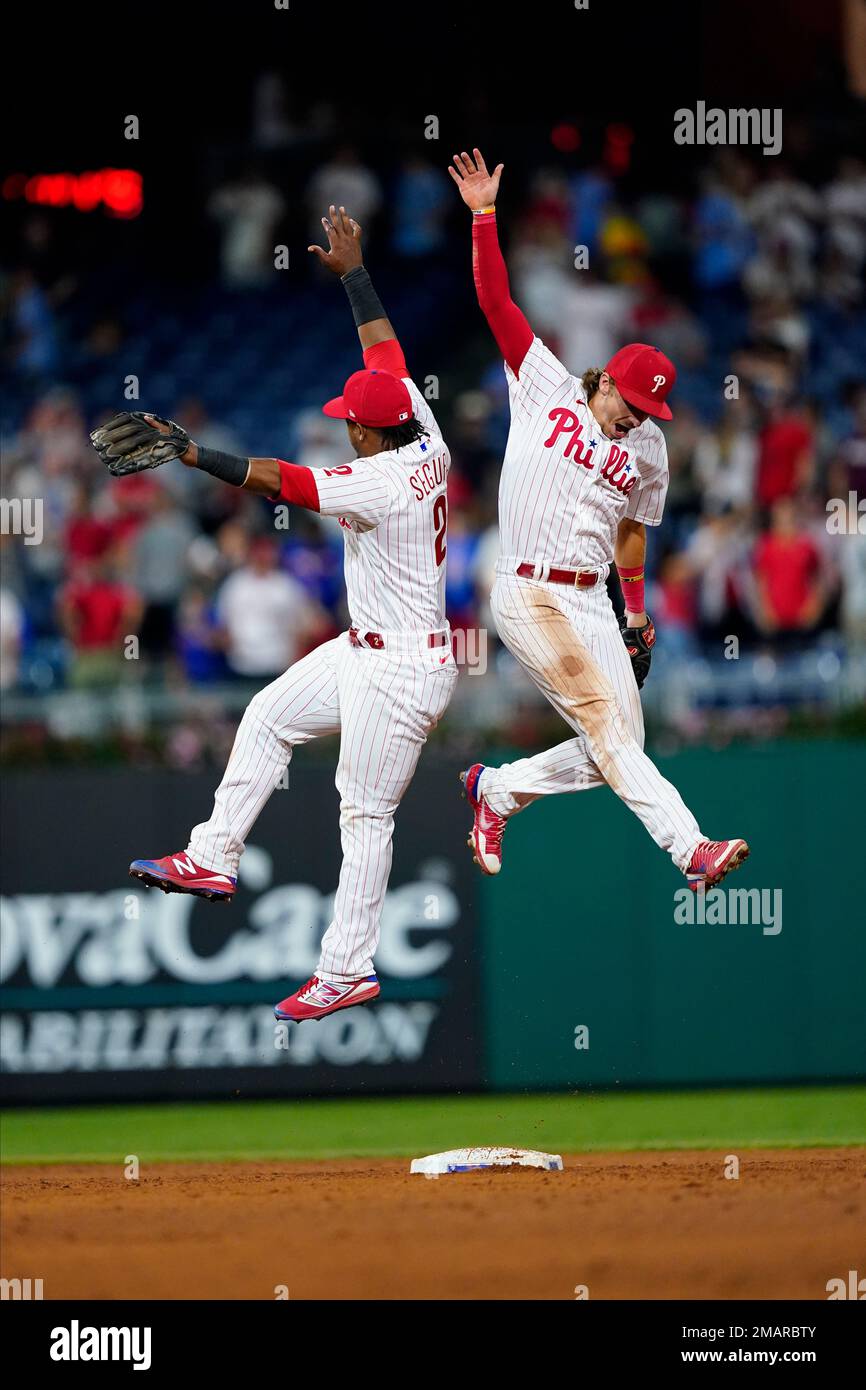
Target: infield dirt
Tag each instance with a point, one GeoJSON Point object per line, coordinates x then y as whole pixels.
{"type": "Point", "coordinates": [640, 1225]}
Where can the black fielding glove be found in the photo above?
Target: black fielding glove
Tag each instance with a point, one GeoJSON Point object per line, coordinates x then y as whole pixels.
{"type": "Point", "coordinates": [639, 643]}
{"type": "Point", "coordinates": [129, 444]}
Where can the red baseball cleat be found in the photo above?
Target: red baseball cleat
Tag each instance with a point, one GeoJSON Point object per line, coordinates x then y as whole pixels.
{"type": "Point", "coordinates": [485, 837]}
{"type": "Point", "coordinates": [713, 859]}
{"type": "Point", "coordinates": [177, 873]}
{"type": "Point", "coordinates": [318, 997]}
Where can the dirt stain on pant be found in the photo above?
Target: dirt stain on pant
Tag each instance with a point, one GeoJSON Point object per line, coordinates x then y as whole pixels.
{"type": "Point", "coordinates": [581, 690]}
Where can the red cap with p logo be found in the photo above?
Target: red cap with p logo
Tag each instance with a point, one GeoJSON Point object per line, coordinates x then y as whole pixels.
{"type": "Point", "coordinates": [643, 376]}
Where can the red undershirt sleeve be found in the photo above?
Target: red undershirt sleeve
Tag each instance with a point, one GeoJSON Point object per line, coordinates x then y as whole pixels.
{"type": "Point", "coordinates": [386, 357]}
{"type": "Point", "coordinates": [298, 485]}
{"type": "Point", "coordinates": [508, 323]}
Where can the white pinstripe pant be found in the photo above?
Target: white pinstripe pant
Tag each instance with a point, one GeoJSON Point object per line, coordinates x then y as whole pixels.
{"type": "Point", "coordinates": [383, 704]}
{"type": "Point", "coordinates": [568, 641]}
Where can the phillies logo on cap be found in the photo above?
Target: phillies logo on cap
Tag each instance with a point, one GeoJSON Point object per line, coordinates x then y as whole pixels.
{"type": "Point", "coordinates": [644, 376]}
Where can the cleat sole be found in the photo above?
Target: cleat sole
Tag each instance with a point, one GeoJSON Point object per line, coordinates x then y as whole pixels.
{"type": "Point", "coordinates": [151, 881]}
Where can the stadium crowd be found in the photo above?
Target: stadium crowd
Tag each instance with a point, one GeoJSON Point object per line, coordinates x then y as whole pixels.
{"type": "Point", "coordinates": [753, 285]}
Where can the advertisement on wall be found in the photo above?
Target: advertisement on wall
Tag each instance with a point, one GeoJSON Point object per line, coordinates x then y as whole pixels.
{"type": "Point", "coordinates": [110, 989]}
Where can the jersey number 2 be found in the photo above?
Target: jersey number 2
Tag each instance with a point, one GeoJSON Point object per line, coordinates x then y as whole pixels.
{"type": "Point", "coordinates": [440, 521]}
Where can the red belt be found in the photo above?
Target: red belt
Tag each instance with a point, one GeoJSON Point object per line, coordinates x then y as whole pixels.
{"type": "Point", "coordinates": [582, 579]}
{"type": "Point", "coordinates": [376, 640]}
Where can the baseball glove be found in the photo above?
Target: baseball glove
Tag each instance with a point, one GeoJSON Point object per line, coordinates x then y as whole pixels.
{"type": "Point", "coordinates": [128, 443]}
{"type": "Point", "coordinates": [639, 643]}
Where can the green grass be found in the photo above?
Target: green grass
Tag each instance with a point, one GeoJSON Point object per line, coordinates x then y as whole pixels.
{"type": "Point", "coordinates": [401, 1126]}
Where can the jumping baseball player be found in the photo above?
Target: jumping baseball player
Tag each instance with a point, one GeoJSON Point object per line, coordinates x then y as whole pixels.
{"type": "Point", "coordinates": [384, 684]}
{"type": "Point", "coordinates": [585, 472]}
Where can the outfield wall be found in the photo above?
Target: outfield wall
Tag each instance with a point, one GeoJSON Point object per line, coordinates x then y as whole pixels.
{"type": "Point", "coordinates": [575, 967]}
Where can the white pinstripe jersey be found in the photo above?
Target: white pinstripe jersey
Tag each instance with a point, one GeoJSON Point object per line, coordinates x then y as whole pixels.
{"type": "Point", "coordinates": [565, 486]}
{"type": "Point", "coordinates": [393, 508]}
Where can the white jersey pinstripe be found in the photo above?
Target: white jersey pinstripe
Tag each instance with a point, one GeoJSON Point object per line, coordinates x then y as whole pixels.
{"type": "Point", "coordinates": [382, 702]}
{"type": "Point", "coordinates": [564, 490]}
{"type": "Point", "coordinates": [565, 486]}
{"type": "Point", "coordinates": [393, 508]}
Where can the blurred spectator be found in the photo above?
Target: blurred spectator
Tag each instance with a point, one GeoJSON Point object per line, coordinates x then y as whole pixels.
{"type": "Point", "coordinates": [784, 212]}
{"type": "Point", "coordinates": [314, 557]}
{"type": "Point", "coordinates": [788, 572]}
{"type": "Point", "coordinates": [87, 535]}
{"type": "Point", "coordinates": [844, 205]}
{"type": "Point", "coordinates": [269, 620]}
{"type": "Point", "coordinates": [97, 613]}
{"type": "Point", "coordinates": [248, 210]}
{"type": "Point", "coordinates": [469, 439]}
{"type": "Point", "coordinates": [11, 637]}
{"type": "Point", "coordinates": [726, 459]}
{"type": "Point", "coordinates": [199, 640]}
{"type": "Point", "coordinates": [682, 436]}
{"type": "Point", "coordinates": [211, 503]}
{"type": "Point", "coordinates": [593, 321]}
{"type": "Point", "coordinates": [460, 574]}
{"type": "Point", "coordinates": [591, 191]}
{"type": "Point", "coordinates": [667, 323]}
{"type": "Point", "coordinates": [852, 567]}
{"type": "Point", "coordinates": [322, 441]}
{"type": "Point", "coordinates": [421, 204]}
{"type": "Point", "coordinates": [848, 467]}
{"type": "Point", "coordinates": [548, 212]}
{"type": "Point", "coordinates": [674, 606]}
{"type": "Point", "coordinates": [723, 234]}
{"type": "Point", "coordinates": [786, 451]}
{"type": "Point", "coordinates": [718, 555]}
{"type": "Point", "coordinates": [776, 320]}
{"type": "Point", "coordinates": [345, 182]}
{"type": "Point", "coordinates": [272, 125]}
{"type": "Point", "coordinates": [160, 569]}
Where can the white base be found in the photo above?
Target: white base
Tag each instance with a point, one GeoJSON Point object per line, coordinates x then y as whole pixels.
{"type": "Point", "coordinates": [471, 1160]}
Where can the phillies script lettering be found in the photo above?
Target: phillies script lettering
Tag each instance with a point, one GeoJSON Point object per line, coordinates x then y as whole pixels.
{"type": "Point", "coordinates": [615, 469]}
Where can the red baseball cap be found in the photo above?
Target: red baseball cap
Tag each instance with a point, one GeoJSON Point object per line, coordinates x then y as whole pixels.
{"type": "Point", "coordinates": [643, 377]}
{"type": "Point", "coordinates": [377, 399]}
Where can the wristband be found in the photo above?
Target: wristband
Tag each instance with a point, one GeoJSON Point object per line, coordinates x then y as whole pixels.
{"type": "Point", "coordinates": [483, 212]}
{"type": "Point", "coordinates": [227, 467]}
{"type": "Point", "coordinates": [364, 301]}
{"type": "Point", "coordinates": [632, 581]}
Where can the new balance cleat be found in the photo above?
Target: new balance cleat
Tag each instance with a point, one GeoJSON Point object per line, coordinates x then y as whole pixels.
{"type": "Point", "coordinates": [317, 998]}
{"type": "Point", "coordinates": [177, 873]}
{"type": "Point", "coordinates": [485, 837]}
{"type": "Point", "coordinates": [712, 860]}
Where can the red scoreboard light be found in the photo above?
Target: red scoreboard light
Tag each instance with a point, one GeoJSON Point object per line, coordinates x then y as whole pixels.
{"type": "Point", "coordinates": [117, 191]}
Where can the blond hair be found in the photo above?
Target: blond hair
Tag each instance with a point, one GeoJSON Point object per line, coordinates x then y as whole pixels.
{"type": "Point", "coordinates": [590, 380]}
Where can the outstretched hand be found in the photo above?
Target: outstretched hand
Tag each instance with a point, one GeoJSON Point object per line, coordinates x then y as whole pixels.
{"type": "Point", "coordinates": [344, 242]}
{"type": "Point", "coordinates": [478, 188]}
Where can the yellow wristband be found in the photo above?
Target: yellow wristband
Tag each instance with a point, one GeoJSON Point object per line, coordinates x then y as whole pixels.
{"type": "Point", "coordinates": [479, 212]}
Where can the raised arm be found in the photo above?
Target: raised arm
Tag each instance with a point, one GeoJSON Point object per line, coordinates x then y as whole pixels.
{"type": "Point", "coordinates": [380, 343]}
{"type": "Point", "coordinates": [508, 323]}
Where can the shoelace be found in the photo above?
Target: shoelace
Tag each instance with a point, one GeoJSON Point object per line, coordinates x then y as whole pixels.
{"type": "Point", "coordinates": [493, 825]}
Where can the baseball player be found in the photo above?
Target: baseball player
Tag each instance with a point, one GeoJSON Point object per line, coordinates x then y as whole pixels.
{"type": "Point", "coordinates": [383, 684]}
{"type": "Point", "coordinates": [585, 472]}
